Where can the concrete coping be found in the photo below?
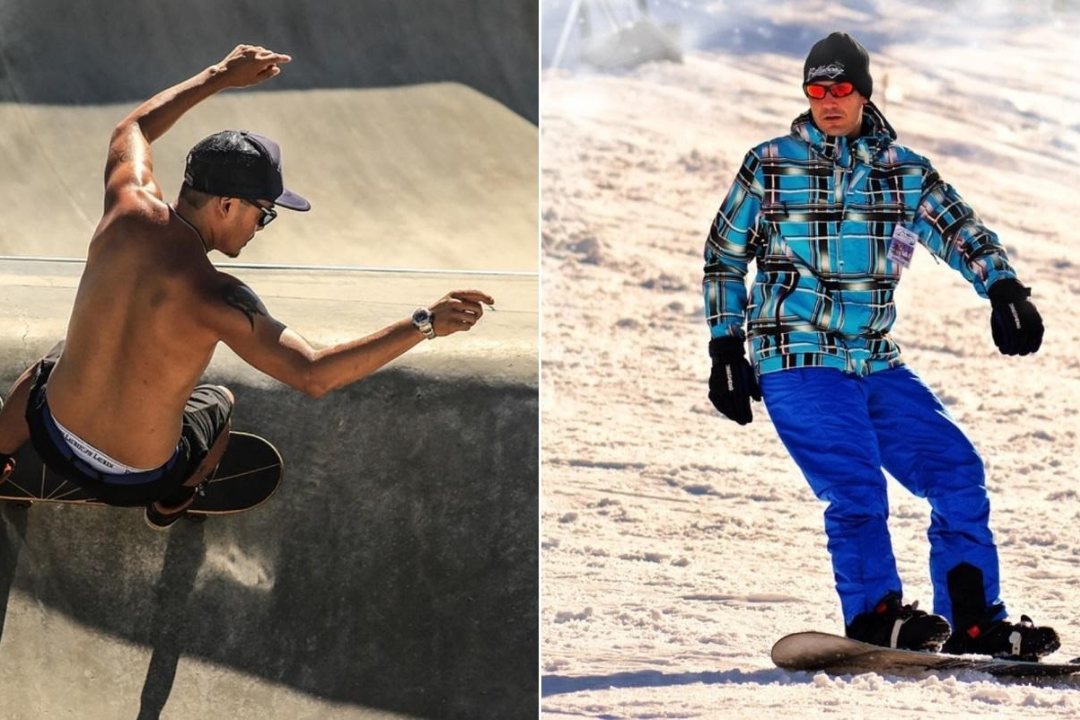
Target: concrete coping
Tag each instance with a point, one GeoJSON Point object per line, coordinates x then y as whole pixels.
{"type": "Point", "coordinates": [325, 306]}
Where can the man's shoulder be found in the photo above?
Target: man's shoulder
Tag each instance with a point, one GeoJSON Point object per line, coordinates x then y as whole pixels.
{"type": "Point", "coordinates": [220, 286]}
{"type": "Point", "coordinates": [898, 153]}
{"type": "Point", "coordinates": [137, 211]}
{"type": "Point", "coordinates": [223, 295]}
{"type": "Point", "coordinates": [783, 146]}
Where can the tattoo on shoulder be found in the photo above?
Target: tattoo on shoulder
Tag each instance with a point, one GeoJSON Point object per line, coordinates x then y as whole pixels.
{"type": "Point", "coordinates": [244, 299]}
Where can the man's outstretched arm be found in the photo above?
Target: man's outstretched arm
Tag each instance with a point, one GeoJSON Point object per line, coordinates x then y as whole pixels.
{"type": "Point", "coordinates": [129, 166]}
{"type": "Point", "coordinates": [243, 323]}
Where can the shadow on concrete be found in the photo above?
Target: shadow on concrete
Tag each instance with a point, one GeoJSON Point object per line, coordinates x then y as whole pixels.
{"type": "Point", "coordinates": [14, 521]}
{"type": "Point", "coordinates": [127, 50]}
{"type": "Point", "coordinates": [396, 568]}
{"type": "Point", "coordinates": [184, 556]}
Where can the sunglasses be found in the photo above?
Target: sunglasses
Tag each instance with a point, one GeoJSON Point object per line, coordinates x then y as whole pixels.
{"type": "Point", "coordinates": [268, 214]}
{"type": "Point", "coordinates": [839, 90]}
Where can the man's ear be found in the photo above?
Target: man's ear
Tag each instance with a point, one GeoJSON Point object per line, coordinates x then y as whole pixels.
{"type": "Point", "coordinates": [225, 206]}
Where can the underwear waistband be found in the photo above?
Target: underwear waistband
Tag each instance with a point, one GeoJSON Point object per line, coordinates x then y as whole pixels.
{"type": "Point", "coordinates": [87, 464]}
{"type": "Point", "coordinates": [94, 457]}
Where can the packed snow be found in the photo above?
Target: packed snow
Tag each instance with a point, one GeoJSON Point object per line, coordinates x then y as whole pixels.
{"type": "Point", "coordinates": [678, 546]}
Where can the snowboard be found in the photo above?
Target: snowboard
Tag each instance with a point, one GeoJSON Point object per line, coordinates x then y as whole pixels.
{"type": "Point", "coordinates": [838, 655]}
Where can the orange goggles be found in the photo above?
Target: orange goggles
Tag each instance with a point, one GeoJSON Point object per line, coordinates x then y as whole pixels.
{"type": "Point", "coordinates": [839, 90]}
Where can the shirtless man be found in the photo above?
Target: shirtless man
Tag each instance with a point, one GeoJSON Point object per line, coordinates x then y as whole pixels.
{"type": "Point", "coordinates": [123, 416]}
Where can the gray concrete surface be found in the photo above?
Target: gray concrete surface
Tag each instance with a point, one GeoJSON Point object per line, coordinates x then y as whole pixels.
{"type": "Point", "coordinates": [59, 52]}
{"type": "Point", "coordinates": [393, 575]}
{"type": "Point", "coordinates": [412, 132]}
{"type": "Point", "coordinates": [431, 176]}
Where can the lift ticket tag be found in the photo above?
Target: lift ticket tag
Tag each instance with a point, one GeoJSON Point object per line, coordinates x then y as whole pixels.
{"type": "Point", "coordinates": [902, 246]}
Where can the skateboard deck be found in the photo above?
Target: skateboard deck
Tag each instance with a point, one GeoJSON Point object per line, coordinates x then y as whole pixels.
{"type": "Point", "coordinates": [249, 473]}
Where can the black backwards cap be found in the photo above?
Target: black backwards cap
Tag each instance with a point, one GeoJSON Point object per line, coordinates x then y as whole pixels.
{"type": "Point", "coordinates": [242, 164]}
{"type": "Point", "coordinates": [839, 57]}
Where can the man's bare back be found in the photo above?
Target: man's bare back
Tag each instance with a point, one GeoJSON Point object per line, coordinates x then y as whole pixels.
{"type": "Point", "coordinates": [138, 340]}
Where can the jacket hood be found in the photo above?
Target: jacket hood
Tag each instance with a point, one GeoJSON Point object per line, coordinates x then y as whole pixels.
{"type": "Point", "coordinates": [877, 134]}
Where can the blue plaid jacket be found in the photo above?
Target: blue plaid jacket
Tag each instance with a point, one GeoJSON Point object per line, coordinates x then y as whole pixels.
{"type": "Point", "coordinates": [817, 215]}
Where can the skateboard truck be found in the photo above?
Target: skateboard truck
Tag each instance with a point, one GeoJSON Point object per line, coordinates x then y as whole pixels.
{"type": "Point", "coordinates": [200, 490]}
{"type": "Point", "coordinates": [7, 469]}
{"type": "Point", "coordinates": [5, 472]}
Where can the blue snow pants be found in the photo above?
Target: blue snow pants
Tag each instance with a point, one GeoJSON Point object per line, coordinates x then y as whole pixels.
{"type": "Point", "coordinates": [841, 430]}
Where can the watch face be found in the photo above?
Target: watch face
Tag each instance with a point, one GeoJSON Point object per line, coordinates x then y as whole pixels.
{"type": "Point", "coordinates": [421, 316]}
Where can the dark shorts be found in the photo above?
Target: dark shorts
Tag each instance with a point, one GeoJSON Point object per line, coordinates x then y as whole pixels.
{"type": "Point", "coordinates": [206, 414]}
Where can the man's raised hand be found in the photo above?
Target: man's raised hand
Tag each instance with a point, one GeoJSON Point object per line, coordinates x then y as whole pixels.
{"type": "Point", "coordinates": [458, 310]}
{"type": "Point", "coordinates": [250, 65]}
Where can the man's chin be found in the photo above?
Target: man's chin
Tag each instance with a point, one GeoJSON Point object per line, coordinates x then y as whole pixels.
{"type": "Point", "coordinates": [835, 129]}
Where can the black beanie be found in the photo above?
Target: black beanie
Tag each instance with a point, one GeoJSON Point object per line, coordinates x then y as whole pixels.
{"type": "Point", "coordinates": [839, 57]}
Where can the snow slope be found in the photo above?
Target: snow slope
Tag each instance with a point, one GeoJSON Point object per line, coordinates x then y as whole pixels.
{"type": "Point", "coordinates": [677, 546]}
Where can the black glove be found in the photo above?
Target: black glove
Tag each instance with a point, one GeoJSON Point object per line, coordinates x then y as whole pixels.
{"type": "Point", "coordinates": [732, 382]}
{"type": "Point", "coordinates": [1016, 324]}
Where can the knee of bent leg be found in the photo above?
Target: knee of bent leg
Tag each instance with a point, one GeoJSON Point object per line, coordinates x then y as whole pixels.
{"type": "Point", "coordinates": [961, 480]}
{"type": "Point", "coordinates": [228, 394]}
{"type": "Point", "coordinates": [855, 503]}
{"type": "Point", "coordinates": [962, 505]}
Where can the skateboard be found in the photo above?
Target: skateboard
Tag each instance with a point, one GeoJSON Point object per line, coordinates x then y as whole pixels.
{"type": "Point", "coordinates": [249, 474]}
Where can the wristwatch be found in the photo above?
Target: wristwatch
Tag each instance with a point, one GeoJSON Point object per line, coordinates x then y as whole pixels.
{"type": "Point", "coordinates": [421, 320]}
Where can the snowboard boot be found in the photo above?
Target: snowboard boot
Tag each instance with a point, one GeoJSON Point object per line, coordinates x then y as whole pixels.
{"type": "Point", "coordinates": [981, 630]}
{"type": "Point", "coordinates": [1002, 639]}
{"type": "Point", "coordinates": [894, 625]}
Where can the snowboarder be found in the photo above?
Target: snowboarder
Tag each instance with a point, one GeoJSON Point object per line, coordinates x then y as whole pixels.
{"type": "Point", "coordinates": [831, 215]}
